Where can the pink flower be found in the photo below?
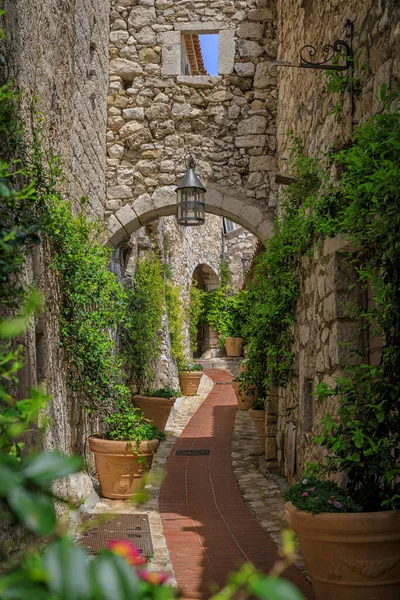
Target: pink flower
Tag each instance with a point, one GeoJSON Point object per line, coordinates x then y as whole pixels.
{"type": "Point", "coordinates": [128, 551]}
{"type": "Point", "coordinates": [155, 578]}
{"type": "Point", "coordinates": [304, 494]}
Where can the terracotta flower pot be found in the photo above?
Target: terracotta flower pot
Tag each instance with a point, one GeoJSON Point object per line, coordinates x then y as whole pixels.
{"type": "Point", "coordinates": [258, 418]}
{"type": "Point", "coordinates": [119, 468]}
{"type": "Point", "coordinates": [233, 346]}
{"type": "Point", "coordinates": [189, 382]}
{"type": "Point", "coordinates": [350, 556]}
{"type": "Point", "coordinates": [244, 398]}
{"type": "Point", "coordinates": [157, 410]}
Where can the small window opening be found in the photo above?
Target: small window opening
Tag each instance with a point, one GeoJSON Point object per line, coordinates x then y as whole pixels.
{"type": "Point", "coordinates": [229, 226]}
{"type": "Point", "coordinates": [200, 54]}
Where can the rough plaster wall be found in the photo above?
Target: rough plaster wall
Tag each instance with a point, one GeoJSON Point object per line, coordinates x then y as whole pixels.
{"type": "Point", "coordinates": [304, 103]}
{"type": "Point", "coordinates": [228, 122]}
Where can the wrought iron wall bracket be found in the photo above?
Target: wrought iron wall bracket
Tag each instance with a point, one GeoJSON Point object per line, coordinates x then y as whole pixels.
{"type": "Point", "coordinates": [330, 55]}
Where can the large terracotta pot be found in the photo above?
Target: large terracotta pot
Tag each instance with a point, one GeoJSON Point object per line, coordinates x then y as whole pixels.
{"type": "Point", "coordinates": [258, 418]}
{"type": "Point", "coordinates": [119, 468]}
{"type": "Point", "coordinates": [189, 382]}
{"type": "Point", "coordinates": [350, 556]}
{"type": "Point", "coordinates": [233, 346]}
{"type": "Point", "coordinates": [157, 410]}
{"type": "Point", "coordinates": [244, 398]}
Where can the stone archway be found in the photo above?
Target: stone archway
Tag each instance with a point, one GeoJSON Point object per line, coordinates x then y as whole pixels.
{"type": "Point", "coordinates": [253, 214]}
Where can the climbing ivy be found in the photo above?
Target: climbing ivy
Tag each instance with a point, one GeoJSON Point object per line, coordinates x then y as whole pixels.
{"type": "Point", "coordinates": [141, 322]}
{"type": "Point", "coordinates": [363, 439]}
{"type": "Point", "coordinates": [196, 312]}
{"type": "Point", "coordinates": [176, 321]}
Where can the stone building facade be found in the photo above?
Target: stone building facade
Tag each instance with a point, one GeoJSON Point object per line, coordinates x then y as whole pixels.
{"type": "Point", "coordinates": [157, 115]}
{"type": "Point", "coordinates": [306, 107]}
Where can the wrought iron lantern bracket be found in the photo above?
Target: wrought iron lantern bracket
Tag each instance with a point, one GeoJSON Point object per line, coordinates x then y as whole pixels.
{"type": "Point", "coordinates": [331, 55]}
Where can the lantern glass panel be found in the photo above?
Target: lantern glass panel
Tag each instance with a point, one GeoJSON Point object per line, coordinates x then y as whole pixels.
{"type": "Point", "coordinates": [191, 208]}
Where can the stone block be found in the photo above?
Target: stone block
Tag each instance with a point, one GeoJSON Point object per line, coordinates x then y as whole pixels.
{"type": "Point", "coordinates": [250, 141]}
{"type": "Point", "coordinates": [133, 114]}
{"type": "Point", "coordinates": [116, 232]}
{"type": "Point", "coordinates": [124, 68]}
{"type": "Point", "coordinates": [119, 192]}
{"type": "Point", "coordinates": [226, 56]}
{"type": "Point", "coordinates": [116, 151]}
{"type": "Point", "coordinates": [251, 30]}
{"type": "Point", "coordinates": [148, 55]}
{"type": "Point", "coordinates": [170, 53]}
{"type": "Point", "coordinates": [262, 78]}
{"type": "Point", "coordinates": [245, 69]}
{"type": "Point", "coordinates": [271, 448]}
{"type": "Point", "coordinates": [252, 126]}
{"type": "Point", "coordinates": [249, 49]}
{"type": "Point", "coordinates": [261, 14]}
{"type": "Point", "coordinates": [128, 218]}
{"type": "Point", "coordinates": [140, 16]}
{"type": "Point", "coordinates": [158, 110]}
{"type": "Point", "coordinates": [263, 163]}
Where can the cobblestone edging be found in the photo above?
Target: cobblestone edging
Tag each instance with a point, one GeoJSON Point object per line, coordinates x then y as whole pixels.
{"type": "Point", "coordinates": [262, 490]}
{"type": "Point", "coordinates": [183, 411]}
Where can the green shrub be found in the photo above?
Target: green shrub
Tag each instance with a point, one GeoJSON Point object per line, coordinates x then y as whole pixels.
{"type": "Point", "coordinates": [140, 325]}
{"type": "Point", "coordinates": [176, 321]}
{"type": "Point", "coordinates": [165, 392]}
{"type": "Point", "coordinates": [316, 496]}
{"type": "Point", "coordinates": [130, 425]}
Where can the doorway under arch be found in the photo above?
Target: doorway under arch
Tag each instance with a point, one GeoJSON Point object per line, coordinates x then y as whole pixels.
{"type": "Point", "coordinates": [206, 279]}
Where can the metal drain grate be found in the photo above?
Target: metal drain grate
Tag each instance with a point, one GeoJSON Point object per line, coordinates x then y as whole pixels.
{"type": "Point", "coordinates": [223, 383]}
{"type": "Point", "coordinates": [97, 532]}
{"type": "Point", "coordinates": [192, 452]}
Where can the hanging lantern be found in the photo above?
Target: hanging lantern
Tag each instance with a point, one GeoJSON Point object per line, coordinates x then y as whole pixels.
{"type": "Point", "coordinates": [190, 191]}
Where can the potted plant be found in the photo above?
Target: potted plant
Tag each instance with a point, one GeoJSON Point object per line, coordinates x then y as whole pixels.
{"type": "Point", "coordinates": [244, 392]}
{"type": "Point", "coordinates": [189, 379]}
{"type": "Point", "coordinates": [350, 536]}
{"type": "Point", "coordinates": [233, 346]}
{"type": "Point", "coordinates": [156, 405]}
{"type": "Point", "coordinates": [124, 452]}
{"type": "Point", "coordinates": [257, 415]}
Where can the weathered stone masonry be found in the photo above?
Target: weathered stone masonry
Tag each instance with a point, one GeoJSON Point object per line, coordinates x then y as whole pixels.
{"type": "Point", "coordinates": [157, 115]}
{"type": "Point", "coordinates": [322, 322]}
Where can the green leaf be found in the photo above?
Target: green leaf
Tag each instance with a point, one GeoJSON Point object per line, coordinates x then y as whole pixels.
{"type": "Point", "coordinates": [358, 438]}
{"type": "Point", "coordinates": [113, 578]}
{"type": "Point", "coordinates": [35, 511]}
{"type": "Point", "coordinates": [67, 568]}
{"type": "Point", "coordinates": [9, 479]}
{"type": "Point", "coordinates": [44, 468]}
{"type": "Point", "coordinates": [275, 589]}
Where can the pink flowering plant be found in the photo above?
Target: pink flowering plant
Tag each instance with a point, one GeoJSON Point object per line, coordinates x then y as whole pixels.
{"type": "Point", "coordinates": [316, 496]}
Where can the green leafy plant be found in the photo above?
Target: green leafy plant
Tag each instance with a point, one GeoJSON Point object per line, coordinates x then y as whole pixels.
{"type": "Point", "coordinates": [196, 312]}
{"type": "Point", "coordinates": [131, 425]}
{"type": "Point", "coordinates": [258, 404]}
{"type": "Point", "coordinates": [164, 392]}
{"type": "Point", "coordinates": [140, 325]}
{"type": "Point", "coordinates": [316, 496]}
{"type": "Point", "coordinates": [176, 321]}
{"type": "Point", "coordinates": [191, 368]}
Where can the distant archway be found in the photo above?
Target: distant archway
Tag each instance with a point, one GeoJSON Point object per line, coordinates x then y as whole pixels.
{"type": "Point", "coordinates": [206, 277]}
{"type": "Point", "coordinates": [207, 338]}
{"type": "Point", "coordinates": [249, 212]}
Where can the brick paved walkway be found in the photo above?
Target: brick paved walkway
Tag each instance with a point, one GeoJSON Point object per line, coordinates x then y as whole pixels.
{"type": "Point", "coordinates": [208, 529]}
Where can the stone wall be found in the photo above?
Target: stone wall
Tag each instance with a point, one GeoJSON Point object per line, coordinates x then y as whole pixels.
{"type": "Point", "coordinates": [157, 115]}
{"type": "Point", "coordinates": [239, 247]}
{"type": "Point", "coordinates": [58, 53]}
{"type": "Point", "coordinates": [322, 324]}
